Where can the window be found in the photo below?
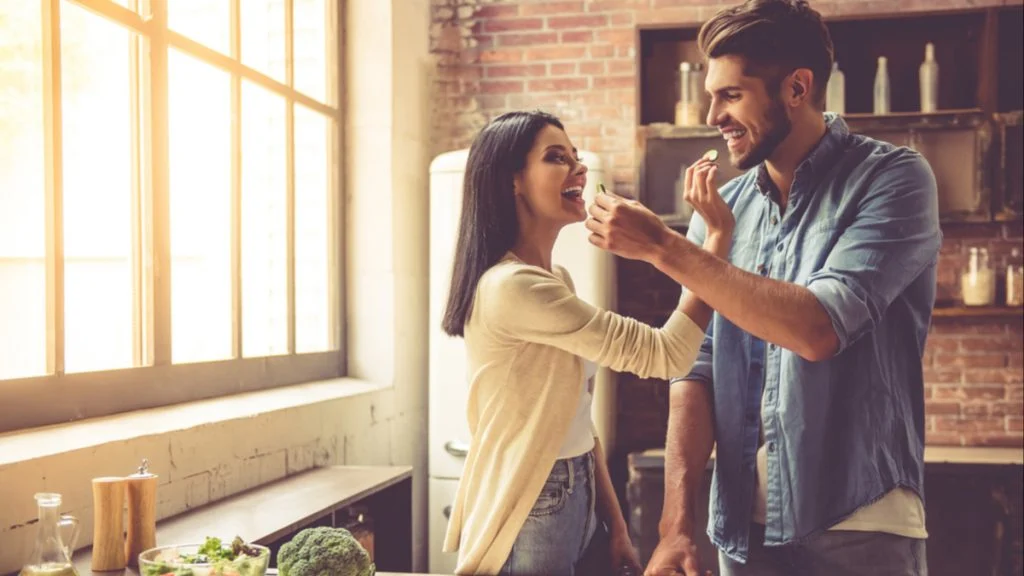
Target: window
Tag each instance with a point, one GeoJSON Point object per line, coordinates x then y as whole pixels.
{"type": "Point", "coordinates": [169, 202]}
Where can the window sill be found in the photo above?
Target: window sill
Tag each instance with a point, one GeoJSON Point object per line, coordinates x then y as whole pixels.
{"type": "Point", "coordinates": [21, 446]}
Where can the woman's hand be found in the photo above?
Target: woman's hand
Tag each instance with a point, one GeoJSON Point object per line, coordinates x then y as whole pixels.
{"type": "Point", "coordinates": [625, 561]}
{"type": "Point", "coordinates": [701, 192]}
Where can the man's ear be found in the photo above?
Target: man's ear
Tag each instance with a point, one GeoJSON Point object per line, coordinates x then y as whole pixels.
{"type": "Point", "coordinates": [797, 89]}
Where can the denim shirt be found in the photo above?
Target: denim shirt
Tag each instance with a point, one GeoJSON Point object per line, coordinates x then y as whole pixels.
{"type": "Point", "coordinates": [861, 232]}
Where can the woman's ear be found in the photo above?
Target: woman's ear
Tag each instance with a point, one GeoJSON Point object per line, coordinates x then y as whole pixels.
{"type": "Point", "coordinates": [517, 184]}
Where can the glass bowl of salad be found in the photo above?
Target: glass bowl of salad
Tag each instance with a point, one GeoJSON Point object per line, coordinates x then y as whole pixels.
{"type": "Point", "coordinates": [211, 558]}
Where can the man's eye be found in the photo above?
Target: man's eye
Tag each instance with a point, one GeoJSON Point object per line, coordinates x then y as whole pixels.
{"type": "Point", "coordinates": [732, 96]}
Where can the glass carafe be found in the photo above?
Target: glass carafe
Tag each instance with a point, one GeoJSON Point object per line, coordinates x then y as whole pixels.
{"type": "Point", "coordinates": [50, 556]}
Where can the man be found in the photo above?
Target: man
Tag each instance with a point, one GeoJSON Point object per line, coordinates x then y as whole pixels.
{"type": "Point", "coordinates": [810, 380]}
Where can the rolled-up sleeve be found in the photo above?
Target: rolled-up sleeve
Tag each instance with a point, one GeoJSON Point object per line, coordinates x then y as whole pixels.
{"type": "Point", "coordinates": [702, 367]}
{"type": "Point", "coordinates": [893, 239]}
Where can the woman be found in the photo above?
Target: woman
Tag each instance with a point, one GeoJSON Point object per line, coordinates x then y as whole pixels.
{"type": "Point", "coordinates": [535, 482]}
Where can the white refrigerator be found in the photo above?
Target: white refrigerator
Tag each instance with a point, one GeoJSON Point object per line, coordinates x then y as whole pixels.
{"type": "Point", "coordinates": [592, 271]}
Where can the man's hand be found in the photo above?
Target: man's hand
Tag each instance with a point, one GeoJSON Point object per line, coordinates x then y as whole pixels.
{"type": "Point", "coordinates": [626, 228]}
{"type": "Point", "coordinates": [676, 555]}
{"type": "Point", "coordinates": [700, 190]}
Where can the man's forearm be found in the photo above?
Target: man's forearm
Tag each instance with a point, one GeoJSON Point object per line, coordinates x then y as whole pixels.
{"type": "Point", "coordinates": [779, 312]}
{"type": "Point", "coordinates": [688, 446]}
{"type": "Point", "coordinates": [607, 502]}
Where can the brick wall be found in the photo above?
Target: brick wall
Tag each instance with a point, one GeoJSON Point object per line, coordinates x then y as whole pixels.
{"type": "Point", "coordinates": [577, 59]}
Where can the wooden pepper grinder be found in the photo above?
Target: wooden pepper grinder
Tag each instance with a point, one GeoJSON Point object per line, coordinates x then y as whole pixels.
{"type": "Point", "coordinates": [141, 493]}
{"type": "Point", "coordinates": [108, 524]}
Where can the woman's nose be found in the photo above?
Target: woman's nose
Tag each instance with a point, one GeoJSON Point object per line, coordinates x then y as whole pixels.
{"type": "Point", "coordinates": [581, 168]}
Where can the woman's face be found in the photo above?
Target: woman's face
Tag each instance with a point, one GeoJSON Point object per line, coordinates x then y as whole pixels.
{"type": "Point", "coordinates": [549, 189]}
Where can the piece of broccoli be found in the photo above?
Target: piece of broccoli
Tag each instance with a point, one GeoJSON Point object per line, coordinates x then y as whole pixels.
{"type": "Point", "coordinates": [324, 551]}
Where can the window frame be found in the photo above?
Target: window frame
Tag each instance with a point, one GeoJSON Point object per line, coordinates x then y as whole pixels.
{"type": "Point", "coordinates": [61, 397]}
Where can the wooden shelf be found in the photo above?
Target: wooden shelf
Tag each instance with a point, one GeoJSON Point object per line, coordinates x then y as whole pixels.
{"type": "Point", "coordinates": [977, 312]}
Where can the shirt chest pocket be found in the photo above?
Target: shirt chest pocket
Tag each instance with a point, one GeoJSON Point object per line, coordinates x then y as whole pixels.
{"type": "Point", "coordinates": [811, 252]}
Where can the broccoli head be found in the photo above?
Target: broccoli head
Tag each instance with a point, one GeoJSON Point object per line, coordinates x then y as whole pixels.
{"type": "Point", "coordinates": [324, 551]}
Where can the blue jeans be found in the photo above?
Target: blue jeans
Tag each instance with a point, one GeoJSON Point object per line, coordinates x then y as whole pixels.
{"type": "Point", "coordinates": [560, 525]}
{"type": "Point", "coordinates": [833, 553]}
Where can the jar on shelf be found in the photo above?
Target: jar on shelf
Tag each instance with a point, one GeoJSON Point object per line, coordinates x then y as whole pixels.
{"type": "Point", "coordinates": [977, 281]}
{"type": "Point", "coordinates": [1015, 279]}
{"type": "Point", "coordinates": [690, 110]}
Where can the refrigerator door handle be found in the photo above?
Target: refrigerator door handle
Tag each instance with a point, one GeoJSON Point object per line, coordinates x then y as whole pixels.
{"type": "Point", "coordinates": [447, 512]}
{"type": "Point", "coordinates": [456, 448]}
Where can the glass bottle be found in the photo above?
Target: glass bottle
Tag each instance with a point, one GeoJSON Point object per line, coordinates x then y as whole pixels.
{"type": "Point", "coordinates": [882, 87]}
{"type": "Point", "coordinates": [977, 282]}
{"type": "Point", "coordinates": [690, 107]}
{"type": "Point", "coordinates": [1015, 280]}
{"type": "Point", "coordinates": [835, 93]}
{"type": "Point", "coordinates": [928, 76]}
{"type": "Point", "coordinates": [50, 556]}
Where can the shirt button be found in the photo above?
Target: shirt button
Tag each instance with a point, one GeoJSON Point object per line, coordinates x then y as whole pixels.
{"type": "Point", "coordinates": [774, 220]}
{"type": "Point", "coordinates": [771, 347]}
{"type": "Point", "coordinates": [779, 247]}
{"type": "Point", "coordinates": [771, 446]}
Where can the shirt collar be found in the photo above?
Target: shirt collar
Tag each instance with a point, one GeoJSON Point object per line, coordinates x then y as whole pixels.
{"type": "Point", "coordinates": [820, 157]}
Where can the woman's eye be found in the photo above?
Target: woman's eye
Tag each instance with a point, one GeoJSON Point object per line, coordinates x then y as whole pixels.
{"type": "Point", "coordinates": [557, 158]}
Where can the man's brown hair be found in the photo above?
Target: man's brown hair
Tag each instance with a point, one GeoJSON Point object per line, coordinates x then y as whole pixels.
{"type": "Point", "coordinates": [774, 38]}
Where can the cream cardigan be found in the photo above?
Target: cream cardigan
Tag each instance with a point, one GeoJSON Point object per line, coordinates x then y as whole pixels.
{"type": "Point", "coordinates": [525, 339]}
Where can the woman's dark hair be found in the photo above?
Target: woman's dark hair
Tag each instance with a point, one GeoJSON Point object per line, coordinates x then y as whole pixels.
{"type": "Point", "coordinates": [488, 226]}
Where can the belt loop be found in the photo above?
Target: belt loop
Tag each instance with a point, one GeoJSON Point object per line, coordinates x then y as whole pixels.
{"type": "Point", "coordinates": [571, 473]}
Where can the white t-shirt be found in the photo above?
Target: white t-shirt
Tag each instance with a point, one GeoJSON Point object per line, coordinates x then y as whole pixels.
{"type": "Point", "coordinates": [580, 438]}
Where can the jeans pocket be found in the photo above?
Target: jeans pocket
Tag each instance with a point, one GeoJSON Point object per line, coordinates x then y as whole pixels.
{"type": "Point", "coordinates": [554, 493]}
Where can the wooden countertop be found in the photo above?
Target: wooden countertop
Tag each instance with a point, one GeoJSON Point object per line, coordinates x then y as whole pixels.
{"type": "Point", "coordinates": [967, 455]}
{"type": "Point", "coordinates": [271, 511]}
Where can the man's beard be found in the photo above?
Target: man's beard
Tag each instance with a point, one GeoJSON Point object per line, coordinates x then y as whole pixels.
{"type": "Point", "coordinates": [779, 126]}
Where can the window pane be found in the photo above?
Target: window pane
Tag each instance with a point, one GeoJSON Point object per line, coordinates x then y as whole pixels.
{"type": "Point", "coordinates": [205, 21]}
{"type": "Point", "coordinates": [22, 192]}
{"type": "Point", "coordinates": [200, 197]}
{"type": "Point", "coordinates": [312, 186]}
{"type": "Point", "coordinates": [310, 47]}
{"type": "Point", "coordinates": [98, 272]}
{"type": "Point", "coordinates": [264, 219]}
{"type": "Point", "coordinates": [262, 25]}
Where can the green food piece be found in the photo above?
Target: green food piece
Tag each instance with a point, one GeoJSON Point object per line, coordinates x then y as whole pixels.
{"type": "Point", "coordinates": [162, 569]}
{"type": "Point", "coordinates": [324, 551]}
{"type": "Point", "coordinates": [711, 155]}
{"type": "Point", "coordinates": [602, 189]}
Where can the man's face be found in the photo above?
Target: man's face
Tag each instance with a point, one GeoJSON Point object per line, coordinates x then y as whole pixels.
{"type": "Point", "coordinates": [752, 120]}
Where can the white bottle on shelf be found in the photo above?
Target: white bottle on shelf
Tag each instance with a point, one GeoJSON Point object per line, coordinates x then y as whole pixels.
{"type": "Point", "coordinates": [882, 87]}
{"type": "Point", "coordinates": [835, 93]}
{"type": "Point", "coordinates": [929, 80]}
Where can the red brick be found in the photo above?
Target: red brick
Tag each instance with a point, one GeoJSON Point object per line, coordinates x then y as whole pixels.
{"type": "Point", "coordinates": [556, 53]}
{"type": "Point", "coordinates": [992, 376]}
{"type": "Point", "coordinates": [624, 50]}
{"type": "Point", "coordinates": [943, 375]}
{"type": "Point", "coordinates": [975, 425]}
{"type": "Point", "coordinates": [943, 439]}
{"type": "Point", "coordinates": [954, 326]}
{"type": "Point", "coordinates": [591, 68]}
{"type": "Point", "coordinates": [577, 36]}
{"type": "Point", "coordinates": [623, 19]}
{"type": "Point", "coordinates": [501, 86]}
{"type": "Point", "coordinates": [602, 51]}
{"type": "Point", "coordinates": [1014, 393]}
{"type": "Point", "coordinates": [616, 67]}
{"type": "Point", "coordinates": [940, 408]}
{"type": "Point", "coordinates": [1013, 230]}
{"type": "Point", "coordinates": [552, 8]}
{"type": "Point", "coordinates": [504, 55]}
{"type": "Point", "coordinates": [974, 410]}
{"type": "Point", "coordinates": [971, 360]}
{"type": "Point", "coordinates": [517, 70]}
{"type": "Point", "coordinates": [943, 343]}
{"type": "Point", "coordinates": [567, 22]}
{"type": "Point", "coordinates": [528, 39]}
{"type": "Point", "coordinates": [558, 84]}
{"type": "Point", "coordinates": [995, 440]}
{"type": "Point", "coordinates": [563, 68]}
{"type": "Point", "coordinates": [1008, 408]}
{"type": "Point", "coordinates": [1015, 361]}
{"type": "Point", "coordinates": [490, 11]}
{"type": "Point", "coordinates": [609, 5]}
{"type": "Point", "coordinates": [972, 231]}
{"type": "Point", "coordinates": [604, 113]}
{"type": "Point", "coordinates": [605, 82]}
{"type": "Point", "coordinates": [625, 97]}
{"type": "Point", "coordinates": [512, 24]}
{"type": "Point", "coordinates": [619, 36]}
{"type": "Point", "coordinates": [1015, 424]}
